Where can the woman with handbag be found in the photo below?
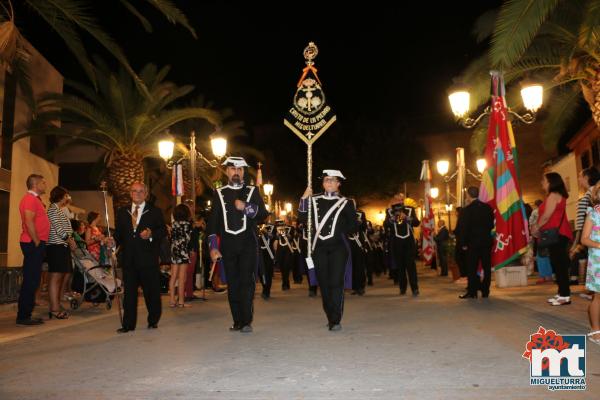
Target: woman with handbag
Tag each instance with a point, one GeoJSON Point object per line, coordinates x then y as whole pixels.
{"type": "Point", "coordinates": [554, 233]}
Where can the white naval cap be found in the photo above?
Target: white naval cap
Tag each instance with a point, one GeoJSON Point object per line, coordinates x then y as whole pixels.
{"type": "Point", "coordinates": [333, 172]}
{"type": "Point", "coordinates": [237, 162]}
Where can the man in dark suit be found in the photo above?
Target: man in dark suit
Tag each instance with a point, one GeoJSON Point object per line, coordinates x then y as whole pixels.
{"type": "Point", "coordinates": [139, 231]}
{"type": "Point", "coordinates": [475, 238]}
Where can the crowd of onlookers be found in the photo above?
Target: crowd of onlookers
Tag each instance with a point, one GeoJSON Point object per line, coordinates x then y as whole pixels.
{"type": "Point", "coordinates": [49, 241]}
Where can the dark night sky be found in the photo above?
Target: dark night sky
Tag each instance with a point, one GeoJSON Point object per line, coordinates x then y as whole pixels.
{"type": "Point", "coordinates": [377, 60]}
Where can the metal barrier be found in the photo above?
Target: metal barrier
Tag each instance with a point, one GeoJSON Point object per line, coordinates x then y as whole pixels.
{"type": "Point", "coordinates": [10, 283]}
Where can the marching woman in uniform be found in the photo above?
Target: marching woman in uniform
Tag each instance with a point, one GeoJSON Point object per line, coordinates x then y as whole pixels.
{"type": "Point", "coordinates": [333, 218]}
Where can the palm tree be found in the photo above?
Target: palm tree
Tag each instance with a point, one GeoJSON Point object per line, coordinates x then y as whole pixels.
{"type": "Point", "coordinates": [70, 18]}
{"type": "Point", "coordinates": [118, 118]}
{"type": "Point", "coordinates": [556, 42]}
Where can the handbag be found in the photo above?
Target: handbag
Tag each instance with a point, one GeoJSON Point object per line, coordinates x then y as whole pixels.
{"type": "Point", "coordinates": [550, 237]}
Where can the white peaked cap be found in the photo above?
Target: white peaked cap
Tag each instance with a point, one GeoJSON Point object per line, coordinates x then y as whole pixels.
{"type": "Point", "coordinates": [237, 162]}
{"type": "Point", "coordinates": [333, 172]}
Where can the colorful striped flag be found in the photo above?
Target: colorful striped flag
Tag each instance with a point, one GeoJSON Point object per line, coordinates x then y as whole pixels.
{"type": "Point", "coordinates": [500, 186]}
{"type": "Point", "coordinates": [428, 222]}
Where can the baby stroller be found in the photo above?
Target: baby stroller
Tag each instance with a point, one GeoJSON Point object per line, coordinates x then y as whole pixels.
{"type": "Point", "coordinates": [96, 283]}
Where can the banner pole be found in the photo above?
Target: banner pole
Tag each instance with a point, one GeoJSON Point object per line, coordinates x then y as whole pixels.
{"type": "Point", "coordinates": [309, 177]}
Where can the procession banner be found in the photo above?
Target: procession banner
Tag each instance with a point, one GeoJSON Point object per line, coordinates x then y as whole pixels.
{"type": "Point", "coordinates": [499, 186]}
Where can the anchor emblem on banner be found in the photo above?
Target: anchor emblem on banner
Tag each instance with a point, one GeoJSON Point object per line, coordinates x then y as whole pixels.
{"type": "Point", "coordinates": [310, 116]}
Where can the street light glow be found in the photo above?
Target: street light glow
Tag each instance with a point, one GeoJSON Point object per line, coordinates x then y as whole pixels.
{"type": "Point", "coordinates": [459, 102]}
{"type": "Point", "coordinates": [434, 192]}
{"type": "Point", "coordinates": [268, 189]}
{"type": "Point", "coordinates": [443, 166]}
{"type": "Point", "coordinates": [219, 146]}
{"type": "Point", "coordinates": [532, 97]}
{"type": "Point", "coordinates": [165, 149]}
{"type": "Point", "coordinates": [288, 207]}
{"type": "Point", "coordinates": [481, 165]}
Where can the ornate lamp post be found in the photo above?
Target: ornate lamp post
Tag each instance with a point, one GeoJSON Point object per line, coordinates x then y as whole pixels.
{"type": "Point", "coordinates": [443, 168]}
{"type": "Point", "coordinates": [531, 93]}
{"type": "Point", "coordinates": [219, 149]}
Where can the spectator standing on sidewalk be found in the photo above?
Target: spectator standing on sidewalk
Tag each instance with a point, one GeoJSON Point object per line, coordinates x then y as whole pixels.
{"type": "Point", "coordinates": [34, 235]}
{"type": "Point", "coordinates": [590, 237]}
{"type": "Point", "coordinates": [553, 224]}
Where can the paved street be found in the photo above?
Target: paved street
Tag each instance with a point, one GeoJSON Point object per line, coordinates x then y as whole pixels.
{"type": "Point", "coordinates": [432, 347]}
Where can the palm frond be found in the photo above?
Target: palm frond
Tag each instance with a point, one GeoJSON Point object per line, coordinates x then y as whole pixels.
{"type": "Point", "coordinates": [589, 35]}
{"type": "Point", "coordinates": [484, 25]}
{"type": "Point", "coordinates": [478, 77]}
{"type": "Point", "coordinates": [77, 14]}
{"type": "Point", "coordinates": [516, 26]}
{"type": "Point", "coordinates": [479, 137]}
{"type": "Point", "coordinates": [562, 108]}
{"type": "Point", "coordinates": [143, 20]}
{"type": "Point", "coordinates": [173, 14]}
{"type": "Point", "coordinates": [68, 33]}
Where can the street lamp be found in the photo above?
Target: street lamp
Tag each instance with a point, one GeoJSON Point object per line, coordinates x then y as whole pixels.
{"type": "Point", "coordinates": [443, 168]}
{"type": "Point", "coordinates": [219, 147]}
{"type": "Point", "coordinates": [166, 149]}
{"type": "Point", "coordinates": [531, 93]}
{"type": "Point", "coordinates": [481, 165]}
{"type": "Point", "coordinates": [268, 191]}
{"type": "Point", "coordinates": [434, 192]}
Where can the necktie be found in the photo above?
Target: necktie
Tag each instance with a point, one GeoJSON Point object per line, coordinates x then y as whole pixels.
{"type": "Point", "coordinates": [134, 217]}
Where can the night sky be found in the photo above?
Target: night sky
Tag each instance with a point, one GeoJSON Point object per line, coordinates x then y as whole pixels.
{"type": "Point", "coordinates": [378, 62]}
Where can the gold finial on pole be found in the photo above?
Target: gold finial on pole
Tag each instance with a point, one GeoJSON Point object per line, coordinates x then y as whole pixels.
{"type": "Point", "coordinates": [310, 53]}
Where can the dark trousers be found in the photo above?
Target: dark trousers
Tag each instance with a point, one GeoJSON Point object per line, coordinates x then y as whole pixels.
{"type": "Point", "coordinates": [285, 262]}
{"type": "Point", "coordinates": [297, 265]}
{"type": "Point", "coordinates": [460, 256]}
{"type": "Point", "coordinates": [330, 266]}
{"type": "Point", "coordinates": [33, 257]}
{"type": "Point", "coordinates": [240, 271]}
{"type": "Point", "coordinates": [148, 278]}
{"type": "Point", "coordinates": [370, 262]}
{"type": "Point", "coordinates": [267, 279]}
{"type": "Point", "coordinates": [475, 254]}
{"type": "Point", "coordinates": [559, 258]}
{"type": "Point", "coordinates": [404, 256]}
{"type": "Point", "coordinates": [442, 259]}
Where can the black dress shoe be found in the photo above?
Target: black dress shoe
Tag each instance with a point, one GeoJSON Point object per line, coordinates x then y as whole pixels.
{"type": "Point", "coordinates": [30, 321]}
{"type": "Point", "coordinates": [403, 293]}
{"type": "Point", "coordinates": [468, 296]}
{"type": "Point", "coordinates": [335, 327]}
{"type": "Point", "coordinates": [152, 326]}
{"type": "Point", "coordinates": [124, 330]}
{"type": "Point", "coordinates": [234, 327]}
{"type": "Point", "coordinates": [416, 293]}
{"type": "Point", "coordinates": [485, 295]}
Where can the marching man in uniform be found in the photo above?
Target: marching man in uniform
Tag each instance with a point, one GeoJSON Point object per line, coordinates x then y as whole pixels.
{"type": "Point", "coordinates": [237, 209]}
{"type": "Point", "coordinates": [401, 220]}
{"type": "Point", "coordinates": [333, 218]}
